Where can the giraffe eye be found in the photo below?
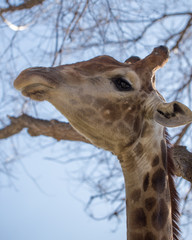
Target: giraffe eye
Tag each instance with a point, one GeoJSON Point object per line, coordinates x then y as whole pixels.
{"type": "Point", "coordinates": [122, 84]}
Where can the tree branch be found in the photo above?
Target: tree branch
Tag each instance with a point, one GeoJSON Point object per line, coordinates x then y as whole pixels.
{"type": "Point", "coordinates": [37, 127]}
{"type": "Point", "coordinates": [25, 5]}
{"type": "Point", "coordinates": [63, 131]}
{"type": "Point", "coordinates": [183, 162]}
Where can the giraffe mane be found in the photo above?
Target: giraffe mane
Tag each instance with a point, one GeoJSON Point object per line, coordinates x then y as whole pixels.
{"type": "Point", "coordinates": [173, 192]}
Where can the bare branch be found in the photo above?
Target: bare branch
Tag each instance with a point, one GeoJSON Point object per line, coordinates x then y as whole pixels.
{"type": "Point", "coordinates": [37, 127]}
{"type": "Point", "coordinates": [182, 133]}
{"type": "Point", "coordinates": [63, 131]}
{"type": "Point", "coordinates": [25, 5]}
{"type": "Point", "coordinates": [182, 34]}
{"type": "Point", "coordinates": [13, 26]}
{"type": "Point", "coordinates": [183, 162]}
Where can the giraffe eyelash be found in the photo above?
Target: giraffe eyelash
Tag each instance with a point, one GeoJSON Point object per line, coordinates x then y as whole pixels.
{"type": "Point", "coordinates": [121, 83]}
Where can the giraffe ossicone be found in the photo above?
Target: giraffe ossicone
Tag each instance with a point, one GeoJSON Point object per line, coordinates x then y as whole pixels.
{"type": "Point", "coordinates": [117, 107]}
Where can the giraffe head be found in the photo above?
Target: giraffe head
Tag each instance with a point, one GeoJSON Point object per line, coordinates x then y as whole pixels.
{"type": "Point", "coordinates": [105, 100]}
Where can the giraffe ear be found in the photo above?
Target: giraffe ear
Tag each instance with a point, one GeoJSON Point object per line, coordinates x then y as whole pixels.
{"type": "Point", "coordinates": [173, 114]}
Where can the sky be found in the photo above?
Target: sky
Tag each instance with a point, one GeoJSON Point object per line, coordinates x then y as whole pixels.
{"type": "Point", "coordinates": [50, 210]}
{"type": "Point", "coordinates": [41, 202]}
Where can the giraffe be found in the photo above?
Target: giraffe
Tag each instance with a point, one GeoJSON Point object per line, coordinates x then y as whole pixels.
{"type": "Point", "coordinates": [116, 107]}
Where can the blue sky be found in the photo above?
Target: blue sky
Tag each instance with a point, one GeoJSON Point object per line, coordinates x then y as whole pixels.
{"type": "Point", "coordinates": [54, 212]}
{"type": "Point", "coordinates": [52, 206]}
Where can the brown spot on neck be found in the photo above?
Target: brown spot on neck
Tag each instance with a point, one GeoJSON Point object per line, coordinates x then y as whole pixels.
{"type": "Point", "coordinates": [137, 124]}
{"type": "Point", "coordinates": [150, 236]}
{"type": "Point", "coordinates": [164, 153]}
{"type": "Point", "coordinates": [135, 195]}
{"type": "Point", "coordinates": [164, 238]}
{"type": "Point", "coordinates": [138, 149]}
{"type": "Point", "coordinates": [136, 236]}
{"type": "Point", "coordinates": [155, 161]}
{"type": "Point", "coordinates": [159, 217]}
{"type": "Point", "coordinates": [158, 180]}
{"type": "Point", "coordinates": [138, 219]}
{"type": "Point", "coordinates": [150, 203]}
{"type": "Point", "coordinates": [146, 182]}
{"type": "Point", "coordinates": [145, 130]}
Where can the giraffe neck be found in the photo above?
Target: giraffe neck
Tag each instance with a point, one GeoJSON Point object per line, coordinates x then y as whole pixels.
{"type": "Point", "coordinates": [148, 199]}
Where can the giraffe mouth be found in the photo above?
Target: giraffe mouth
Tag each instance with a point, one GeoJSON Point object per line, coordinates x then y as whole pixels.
{"type": "Point", "coordinates": [36, 91]}
{"type": "Point", "coordinates": [35, 83]}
